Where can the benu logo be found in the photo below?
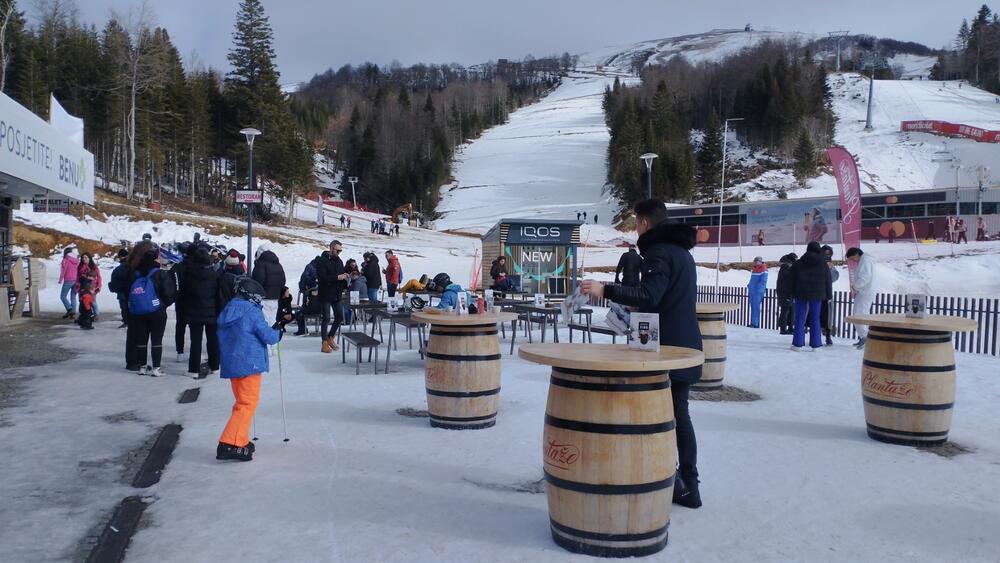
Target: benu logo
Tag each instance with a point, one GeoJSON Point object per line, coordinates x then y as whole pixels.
{"type": "Point", "coordinates": [540, 232]}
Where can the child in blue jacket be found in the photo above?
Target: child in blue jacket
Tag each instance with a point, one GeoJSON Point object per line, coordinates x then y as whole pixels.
{"type": "Point", "coordinates": [243, 339]}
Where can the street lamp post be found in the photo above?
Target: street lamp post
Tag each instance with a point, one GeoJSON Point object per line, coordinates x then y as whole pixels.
{"type": "Point", "coordinates": [722, 199]}
{"type": "Point", "coordinates": [353, 180]}
{"type": "Point", "coordinates": [648, 159]}
{"type": "Point", "coordinates": [251, 134]}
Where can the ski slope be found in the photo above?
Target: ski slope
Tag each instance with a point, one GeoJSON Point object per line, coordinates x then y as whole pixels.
{"type": "Point", "coordinates": [546, 162]}
{"type": "Point", "coordinates": [892, 160]}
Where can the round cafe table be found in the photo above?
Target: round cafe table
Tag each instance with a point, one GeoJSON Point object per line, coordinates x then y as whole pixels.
{"type": "Point", "coordinates": [462, 370]}
{"type": "Point", "coordinates": [908, 377]}
{"type": "Point", "coordinates": [712, 323]}
{"type": "Point", "coordinates": [609, 447]}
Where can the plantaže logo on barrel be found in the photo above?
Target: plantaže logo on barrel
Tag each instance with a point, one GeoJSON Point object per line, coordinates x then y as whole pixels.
{"type": "Point", "coordinates": [896, 386]}
{"type": "Point", "coordinates": [560, 456]}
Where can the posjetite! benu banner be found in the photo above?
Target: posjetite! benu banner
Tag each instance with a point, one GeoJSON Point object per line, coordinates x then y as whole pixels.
{"type": "Point", "coordinates": [849, 186]}
{"type": "Point", "coordinates": [35, 152]}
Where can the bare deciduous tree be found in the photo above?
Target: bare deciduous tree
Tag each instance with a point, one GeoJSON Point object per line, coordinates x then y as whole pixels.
{"type": "Point", "coordinates": [140, 69]}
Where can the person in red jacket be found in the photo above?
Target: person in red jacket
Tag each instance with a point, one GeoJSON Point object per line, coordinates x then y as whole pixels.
{"type": "Point", "coordinates": [392, 273]}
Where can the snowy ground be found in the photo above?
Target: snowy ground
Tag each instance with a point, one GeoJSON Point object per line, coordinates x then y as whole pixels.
{"type": "Point", "coordinates": [789, 478]}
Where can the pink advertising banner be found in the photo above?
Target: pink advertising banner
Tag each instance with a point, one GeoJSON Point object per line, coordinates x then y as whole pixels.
{"type": "Point", "coordinates": [849, 186]}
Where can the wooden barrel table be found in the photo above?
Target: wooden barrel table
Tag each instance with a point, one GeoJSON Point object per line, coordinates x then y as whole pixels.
{"type": "Point", "coordinates": [609, 449]}
{"type": "Point", "coordinates": [712, 323]}
{"type": "Point", "coordinates": [462, 372]}
{"type": "Point", "coordinates": [908, 377]}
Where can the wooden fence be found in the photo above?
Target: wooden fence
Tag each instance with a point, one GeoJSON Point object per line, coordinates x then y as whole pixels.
{"type": "Point", "coordinates": [986, 312]}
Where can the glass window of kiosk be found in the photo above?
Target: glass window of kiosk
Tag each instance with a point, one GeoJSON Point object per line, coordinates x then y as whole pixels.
{"type": "Point", "coordinates": [543, 269]}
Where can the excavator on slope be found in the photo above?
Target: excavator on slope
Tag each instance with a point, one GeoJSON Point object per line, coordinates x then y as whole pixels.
{"type": "Point", "coordinates": [404, 212]}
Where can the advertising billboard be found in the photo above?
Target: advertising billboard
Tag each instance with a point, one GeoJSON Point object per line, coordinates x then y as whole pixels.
{"type": "Point", "coordinates": [793, 222]}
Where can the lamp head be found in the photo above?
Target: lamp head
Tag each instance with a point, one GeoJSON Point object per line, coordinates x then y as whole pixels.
{"type": "Point", "coordinates": [250, 133]}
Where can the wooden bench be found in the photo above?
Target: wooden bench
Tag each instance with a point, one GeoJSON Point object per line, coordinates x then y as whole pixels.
{"type": "Point", "coordinates": [360, 341]}
{"type": "Point", "coordinates": [588, 331]}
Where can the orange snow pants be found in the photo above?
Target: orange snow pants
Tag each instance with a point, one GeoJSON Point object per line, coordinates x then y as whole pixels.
{"type": "Point", "coordinates": [247, 393]}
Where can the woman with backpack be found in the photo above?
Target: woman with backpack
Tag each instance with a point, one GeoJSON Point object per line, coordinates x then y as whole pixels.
{"type": "Point", "coordinates": [199, 302]}
{"type": "Point", "coordinates": [152, 290]}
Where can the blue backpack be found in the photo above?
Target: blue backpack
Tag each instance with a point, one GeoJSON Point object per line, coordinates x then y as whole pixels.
{"type": "Point", "coordinates": [142, 297]}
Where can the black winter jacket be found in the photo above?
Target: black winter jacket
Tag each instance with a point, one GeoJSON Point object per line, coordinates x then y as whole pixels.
{"type": "Point", "coordinates": [372, 273]}
{"type": "Point", "coordinates": [267, 271]}
{"type": "Point", "coordinates": [784, 285]}
{"type": "Point", "coordinates": [628, 267]}
{"type": "Point", "coordinates": [200, 297]}
{"type": "Point", "coordinates": [669, 287]}
{"type": "Point", "coordinates": [496, 270]}
{"type": "Point", "coordinates": [327, 271]}
{"type": "Point", "coordinates": [811, 279]}
{"type": "Point", "coordinates": [119, 283]}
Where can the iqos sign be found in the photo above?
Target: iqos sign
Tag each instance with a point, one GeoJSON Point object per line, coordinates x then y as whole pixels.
{"type": "Point", "coordinates": [539, 234]}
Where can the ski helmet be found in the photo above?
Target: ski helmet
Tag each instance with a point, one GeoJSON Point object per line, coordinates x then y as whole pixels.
{"type": "Point", "coordinates": [249, 289]}
{"type": "Point", "coordinates": [440, 282]}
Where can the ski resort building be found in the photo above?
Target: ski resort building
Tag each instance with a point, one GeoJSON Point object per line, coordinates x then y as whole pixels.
{"type": "Point", "coordinates": [541, 254]}
{"type": "Point", "coordinates": [39, 165]}
{"type": "Point", "coordinates": [921, 214]}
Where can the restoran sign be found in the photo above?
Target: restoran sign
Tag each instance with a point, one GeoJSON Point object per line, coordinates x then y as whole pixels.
{"type": "Point", "coordinates": [35, 152]}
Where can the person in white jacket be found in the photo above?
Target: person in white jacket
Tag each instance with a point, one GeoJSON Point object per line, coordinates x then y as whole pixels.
{"type": "Point", "coordinates": [862, 289]}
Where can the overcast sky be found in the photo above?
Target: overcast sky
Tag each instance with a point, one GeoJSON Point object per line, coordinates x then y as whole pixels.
{"type": "Point", "coordinates": [313, 35]}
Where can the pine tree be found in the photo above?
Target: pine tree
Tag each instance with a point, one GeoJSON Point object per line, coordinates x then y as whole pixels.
{"type": "Point", "coordinates": [252, 86]}
{"type": "Point", "coordinates": [710, 158]}
{"type": "Point", "coordinates": [805, 156]}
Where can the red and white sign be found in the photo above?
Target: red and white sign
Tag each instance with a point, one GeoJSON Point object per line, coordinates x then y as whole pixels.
{"type": "Point", "coordinates": [952, 130]}
{"type": "Point", "coordinates": [249, 196]}
{"type": "Point", "coordinates": [849, 186]}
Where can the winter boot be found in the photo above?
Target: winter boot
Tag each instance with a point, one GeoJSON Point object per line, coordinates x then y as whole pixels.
{"type": "Point", "coordinates": [326, 348]}
{"type": "Point", "coordinates": [251, 447]}
{"type": "Point", "coordinates": [333, 344]}
{"type": "Point", "coordinates": [860, 344]}
{"type": "Point", "coordinates": [227, 452]}
{"type": "Point", "coordinates": [686, 492]}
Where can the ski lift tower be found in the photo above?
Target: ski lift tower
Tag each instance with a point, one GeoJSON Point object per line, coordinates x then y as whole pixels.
{"type": "Point", "coordinates": [872, 60]}
{"type": "Point", "coordinates": [839, 37]}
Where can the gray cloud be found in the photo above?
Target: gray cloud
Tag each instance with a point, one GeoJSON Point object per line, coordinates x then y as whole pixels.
{"type": "Point", "coordinates": [313, 35]}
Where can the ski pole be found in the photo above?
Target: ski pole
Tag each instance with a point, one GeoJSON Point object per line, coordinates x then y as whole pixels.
{"type": "Point", "coordinates": [254, 422]}
{"type": "Point", "coordinates": [281, 393]}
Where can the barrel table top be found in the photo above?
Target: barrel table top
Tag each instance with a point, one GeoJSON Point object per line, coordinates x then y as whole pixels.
{"type": "Point", "coordinates": [454, 319]}
{"type": "Point", "coordinates": [711, 308]}
{"type": "Point", "coordinates": [610, 357]}
{"type": "Point", "coordinates": [930, 323]}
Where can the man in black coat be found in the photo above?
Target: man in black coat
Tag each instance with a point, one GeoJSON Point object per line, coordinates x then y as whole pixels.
{"type": "Point", "coordinates": [120, 285]}
{"type": "Point", "coordinates": [332, 281]}
{"type": "Point", "coordinates": [373, 276]}
{"type": "Point", "coordinates": [267, 271]}
{"type": "Point", "coordinates": [784, 292]}
{"type": "Point", "coordinates": [668, 287]}
{"type": "Point", "coordinates": [628, 268]}
{"type": "Point", "coordinates": [811, 284]}
{"type": "Point", "coordinates": [200, 302]}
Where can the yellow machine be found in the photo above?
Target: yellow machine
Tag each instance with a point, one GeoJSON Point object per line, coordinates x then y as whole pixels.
{"type": "Point", "coordinates": [408, 211]}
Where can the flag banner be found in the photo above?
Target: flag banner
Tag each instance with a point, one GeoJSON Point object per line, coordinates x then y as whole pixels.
{"type": "Point", "coordinates": [845, 169]}
{"type": "Point", "coordinates": [65, 123]}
